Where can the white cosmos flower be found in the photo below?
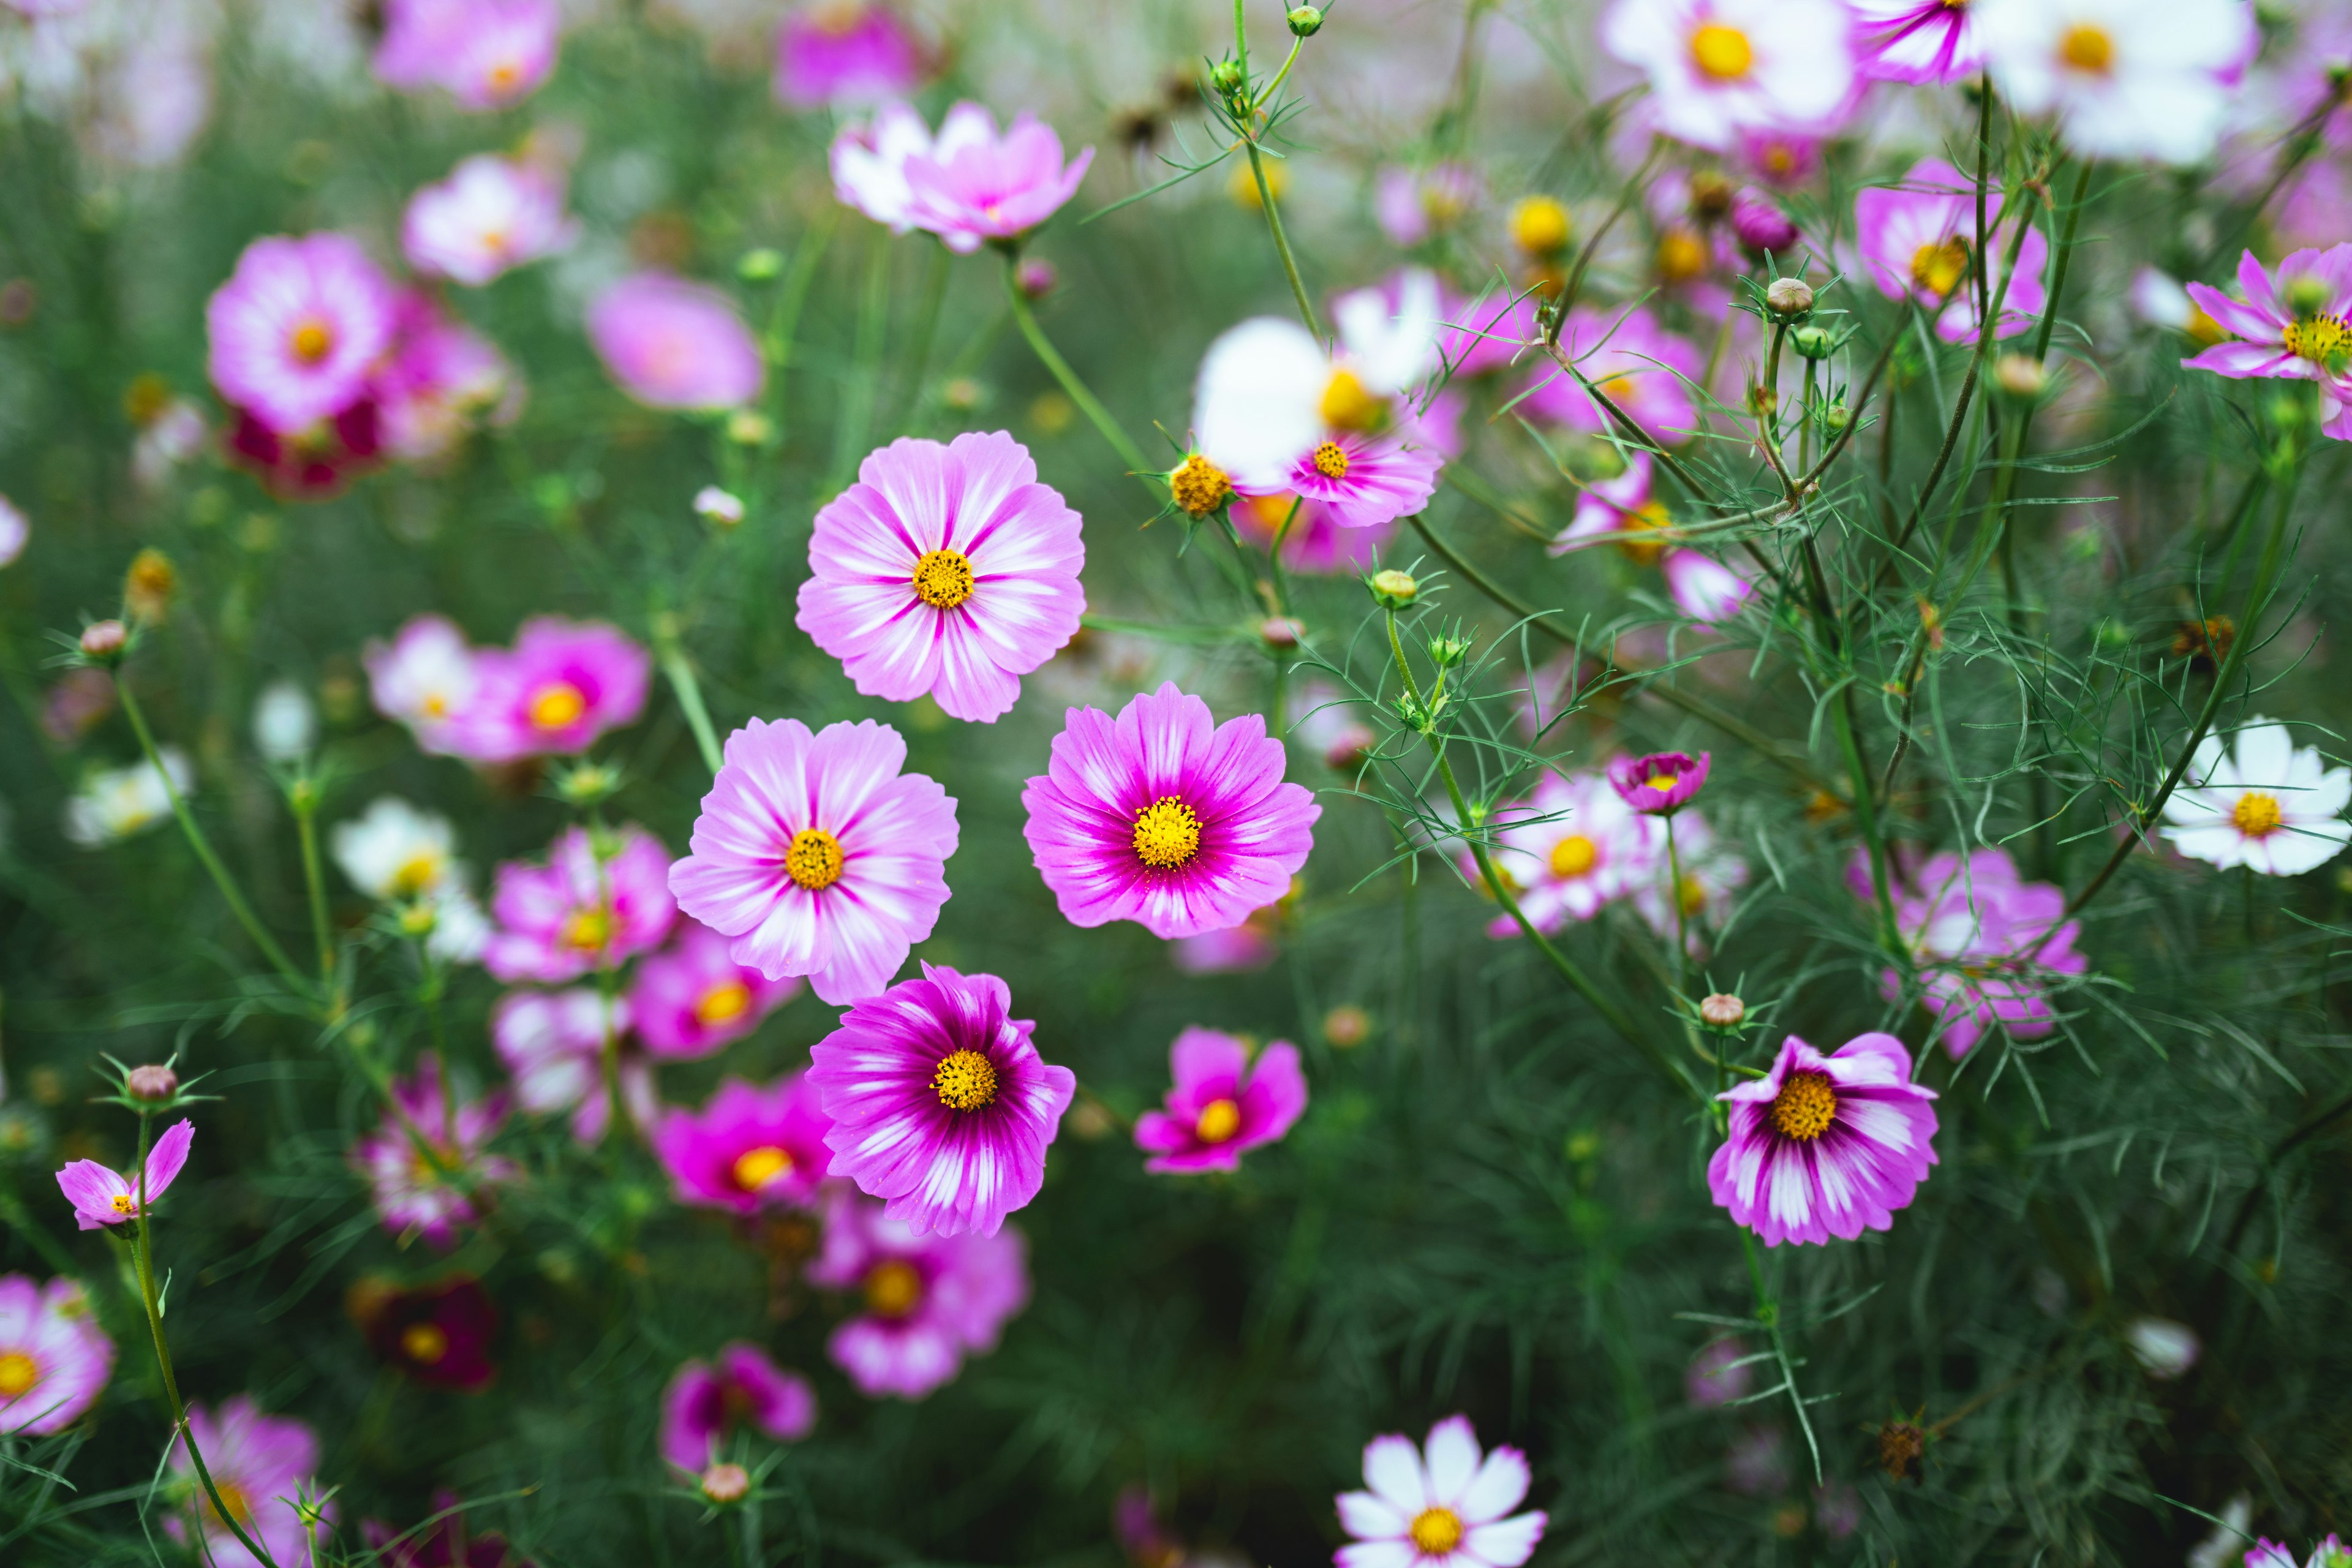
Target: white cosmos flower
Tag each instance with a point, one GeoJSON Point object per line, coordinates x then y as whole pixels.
{"type": "Point", "coordinates": [13, 532]}
{"type": "Point", "coordinates": [115, 803]}
{"type": "Point", "coordinates": [2270, 806]}
{"type": "Point", "coordinates": [392, 851]}
{"type": "Point", "coordinates": [461, 930]}
{"type": "Point", "coordinates": [1445, 1510]}
{"type": "Point", "coordinates": [285, 724]}
{"type": "Point", "coordinates": [1720, 67]}
{"type": "Point", "coordinates": [2126, 78]}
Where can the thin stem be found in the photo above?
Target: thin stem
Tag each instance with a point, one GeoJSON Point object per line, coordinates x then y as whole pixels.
{"type": "Point", "coordinates": [304, 797]}
{"type": "Point", "coordinates": [1088, 404]}
{"type": "Point", "coordinates": [2065, 256]}
{"type": "Point", "coordinates": [1681, 927]}
{"type": "Point", "coordinates": [1768, 1312]}
{"type": "Point", "coordinates": [680, 673]}
{"type": "Point", "coordinates": [1281, 240]}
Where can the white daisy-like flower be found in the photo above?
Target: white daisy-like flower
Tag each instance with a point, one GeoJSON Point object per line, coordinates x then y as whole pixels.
{"type": "Point", "coordinates": [392, 851]}
{"type": "Point", "coordinates": [1721, 67]}
{"type": "Point", "coordinates": [1439, 1507]}
{"type": "Point", "coordinates": [2268, 804]}
{"type": "Point", "coordinates": [2126, 78]}
{"type": "Point", "coordinates": [115, 803]}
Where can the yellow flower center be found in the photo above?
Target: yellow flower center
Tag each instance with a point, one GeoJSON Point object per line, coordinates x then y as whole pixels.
{"type": "Point", "coordinates": [943, 579]}
{"type": "Point", "coordinates": [121, 1202]}
{"type": "Point", "coordinates": [965, 1080]}
{"type": "Point", "coordinates": [232, 1498]}
{"type": "Point", "coordinates": [1167, 834]}
{"type": "Point", "coordinates": [1219, 1121]}
{"type": "Point", "coordinates": [424, 1343]}
{"type": "Point", "coordinates": [1693, 895]}
{"type": "Point", "coordinates": [2087, 46]}
{"type": "Point", "coordinates": [723, 1004]}
{"type": "Point", "coordinates": [1938, 269]}
{"type": "Point", "coordinates": [2256, 813]}
{"type": "Point", "coordinates": [1721, 51]}
{"type": "Point", "coordinates": [1348, 404]}
{"type": "Point", "coordinates": [557, 705]}
{"type": "Point", "coordinates": [1573, 856]}
{"type": "Point", "coordinates": [755, 1169]}
{"type": "Point", "coordinates": [1663, 782]}
{"type": "Point", "coordinates": [1436, 1531]}
{"type": "Point", "coordinates": [1200, 487]}
{"type": "Point", "coordinates": [1331, 460]}
{"type": "Point", "coordinates": [892, 1289]}
{"type": "Point", "coordinates": [1681, 256]}
{"type": "Point", "coordinates": [589, 930]}
{"type": "Point", "coordinates": [2317, 338]}
{"type": "Point", "coordinates": [18, 1373]}
{"type": "Point", "coordinates": [1539, 225]}
{"type": "Point", "coordinates": [313, 341]}
{"type": "Point", "coordinates": [1805, 1106]}
{"type": "Point", "coordinates": [813, 859]}
{"type": "Point", "coordinates": [416, 873]}
{"type": "Point", "coordinates": [1641, 520]}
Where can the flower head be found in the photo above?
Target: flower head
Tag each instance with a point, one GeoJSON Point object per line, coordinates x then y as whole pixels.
{"type": "Point", "coordinates": [2125, 80]}
{"type": "Point", "coordinates": [947, 570]}
{"type": "Point", "coordinates": [838, 52]}
{"type": "Point", "coordinates": [54, 1358]}
{"type": "Point", "coordinates": [1985, 945]}
{"type": "Point", "coordinates": [1165, 817]}
{"type": "Point", "coordinates": [1720, 67]}
{"type": "Point", "coordinates": [675, 344]}
{"type": "Point", "coordinates": [1361, 481]}
{"type": "Point", "coordinates": [1315, 542]}
{"type": "Point", "coordinates": [1918, 40]}
{"type": "Point", "coordinates": [2263, 802]}
{"type": "Point", "coordinates": [553, 1043]}
{"type": "Point", "coordinates": [991, 186]}
{"type": "Point", "coordinates": [591, 904]}
{"type": "Point", "coordinates": [101, 1197]}
{"type": "Point", "coordinates": [259, 1465]}
{"type": "Point", "coordinates": [692, 998]}
{"type": "Point", "coordinates": [869, 158]}
{"type": "Point", "coordinates": [298, 328]}
{"type": "Point", "coordinates": [489, 217]}
{"type": "Point", "coordinates": [392, 850]}
{"type": "Point", "coordinates": [1646, 371]}
{"type": "Point", "coordinates": [2298, 324]}
{"type": "Point", "coordinates": [1718, 1374]}
{"type": "Point", "coordinates": [412, 1161]}
{"type": "Point", "coordinates": [1572, 847]}
{"type": "Point", "coordinates": [1915, 238]}
{"type": "Point", "coordinates": [1661, 784]}
{"type": "Point", "coordinates": [1442, 1505]}
{"type": "Point", "coordinates": [1825, 1146]}
{"type": "Point", "coordinates": [486, 54]}
{"type": "Point", "coordinates": [2329, 1554]}
{"type": "Point", "coordinates": [1224, 1101]}
{"type": "Point", "coordinates": [423, 678]}
{"type": "Point", "coordinates": [750, 1148]}
{"type": "Point", "coordinates": [113, 804]}
{"type": "Point", "coordinates": [704, 1400]}
{"type": "Point", "coordinates": [930, 1300]}
{"type": "Point", "coordinates": [13, 532]}
{"type": "Point", "coordinates": [818, 855]}
{"type": "Point", "coordinates": [439, 1334]}
{"type": "Point", "coordinates": [560, 687]}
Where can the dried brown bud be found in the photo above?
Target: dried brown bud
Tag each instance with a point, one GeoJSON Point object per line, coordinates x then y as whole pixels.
{"type": "Point", "coordinates": [151, 1082]}
{"type": "Point", "coordinates": [1722, 1011]}
{"type": "Point", "coordinates": [1901, 1446]}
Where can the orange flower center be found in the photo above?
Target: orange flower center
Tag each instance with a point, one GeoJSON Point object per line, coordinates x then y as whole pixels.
{"type": "Point", "coordinates": [589, 930]}
{"type": "Point", "coordinates": [1805, 1106]}
{"type": "Point", "coordinates": [313, 341]}
{"type": "Point", "coordinates": [1200, 487]}
{"type": "Point", "coordinates": [1219, 1121]}
{"type": "Point", "coordinates": [755, 1169]}
{"type": "Point", "coordinates": [723, 1004]}
{"type": "Point", "coordinates": [813, 859]}
{"type": "Point", "coordinates": [1436, 1531]}
{"type": "Point", "coordinates": [1348, 404]}
{"type": "Point", "coordinates": [1573, 856]}
{"type": "Point", "coordinates": [2087, 46]}
{"type": "Point", "coordinates": [18, 1373]}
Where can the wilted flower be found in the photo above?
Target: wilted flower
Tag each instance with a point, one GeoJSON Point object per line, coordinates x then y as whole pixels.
{"type": "Point", "coordinates": [298, 328]}
{"type": "Point", "coordinates": [838, 52]}
{"type": "Point", "coordinates": [259, 1465]}
{"type": "Point", "coordinates": [1225, 1103]}
{"type": "Point", "coordinates": [1825, 1146]}
{"type": "Point", "coordinates": [750, 1148]}
{"type": "Point", "coordinates": [556, 692]}
{"type": "Point", "coordinates": [675, 344]}
{"type": "Point", "coordinates": [439, 1333]}
{"type": "Point", "coordinates": [991, 186]}
{"type": "Point", "coordinates": [2124, 78]}
{"type": "Point", "coordinates": [54, 1358]}
{"type": "Point", "coordinates": [930, 1300]}
{"type": "Point", "coordinates": [415, 1160]}
{"type": "Point", "coordinates": [583, 910]}
{"type": "Point", "coordinates": [1441, 1504]}
{"type": "Point", "coordinates": [1916, 241]}
{"type": "Point", "coordinates": [392, 851]}
{"type": "Point", "coordinates": [1720, 67]}
{"type": "Point", "coordinates": [490, 215]}
{"type": "Point", "coordinates": [113, 804]}
{"type": "Point", "coordinates": [2261, 802]}
{"type": "Point", "coordinates": [703, 1401]}
{"type": "Point", "coordinates": [692, 998]}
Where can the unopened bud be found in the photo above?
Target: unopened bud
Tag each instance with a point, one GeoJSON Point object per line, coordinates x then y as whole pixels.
{"type": "Point", "coordinates": [1710, 195]}
{"type": "Point", "coordinates": [1814, 342]}
{"type": "Point", "coordinates": [749, 427]}
{"type": "Point", "coordinates": [1280, 631]}
{"type": "Point", "coordinates": [104, 640]}
{"type": "Point", "coordinates": [151, 1082]}
{"type": "Point", "coordinates": [726, 1483]}
{"type": "Point", "coordinates": [1789, 296]}
{"type": "Point", "coordinates": [760, 266]}
{"type": "Point", "coordinates": [1722, 1011]}
{"type": "Point", "coordinates": [418, 920]}
{"type": "Point", "coordinates": [1447, 652]}
{"type": "Point", "coordinates": [1347, 1026]}
{"type": "Point", "coordinates": [1540, 226]}
{"type": "Point", "coordinates": [1035, 279]}
{"type": "Point", "coordinates": [1836, 418]}
{"type": "Point", "coordinates": [1305, 21]}
{"type": "Point", "coordinates": [2020, 375]}
{"type": "Point", "coordinates": [588, 785]}
{"type": "Point", "coordinates": [1199, 486]}
{"type": "Point", "coordinates": [717, 507]}
{"type": "Point", "coordinates": [1392, 589]}
{"type": "Point", "coordinates": [1226, 77]}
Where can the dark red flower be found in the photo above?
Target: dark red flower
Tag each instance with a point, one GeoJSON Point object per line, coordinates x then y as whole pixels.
{"type": "Point", "coordinates": [439, 1334]}
{"type": "Point", "coordinates": [314, 465]}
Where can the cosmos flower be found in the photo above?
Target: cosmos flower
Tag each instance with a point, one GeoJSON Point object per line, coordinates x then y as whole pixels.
{"type": "Point", "coordinates": [1712, 872]}
{"type": "Point", "coordinates": [1718, 67]}
{"type": "Point", "coordinates": [13, 532]}
{"type": "Point", "coordinates": [114, 804]}
{"type": "Point", "coordinates": [1920, 41]}
{"type": "Point", "coordinates": [1570, 850]}
{"type": "Point", "coordinates": [1825, 1146]}
{"type": "Point", "coordinates": [1701, 586]}
{"type": "Point", "coordinates": [674, 344]}
{"type": "Point", "coordinates": [930, 1300]}
{"type": "Point", "coordinates": [449, 1541]}
{"type": "Point", "coordinates": [298, 328]}
{"type": "Point", "coordinates": [946, 570]}
{"type": "Point", "coordinates": [583, 910]}
{"type": "Point", "coordinates": [1314, 542]}
{"type": "Point", "coordinates": [1983, 945]}
{"type": "Point", "coordinates": [561, 687]}
{"type": "Point", "coordinates": [1638, 365]}
{"type": "Point", "coordinates": [392, 850]}
{"type": "Point", "coordinates": [490, 215]}
{"type": "Point", "coordinates": [988, 186]}
{"type": "Point", "coordinates": [1915, 240]}
{"type": "Point", "coordinates": [259, 1465]}
{"type": "Point", "coordinates": [103, 1197]}
{"type": "Point", "coordinates": [1762, 226]}
{"type": "Point", "coordinates": [1661, 784]}
{"type": "Point", "coordinates": [2263, 802]}
{"type": "Point", "coordinates": [844, 52]}
{"type": "Point", "coordinates": [2292, 325]}
{"type": "Point", "coordinates": [2124, 78]}
{"type": "Point", "coordinates": [819, 855]}
{"type": "Point", "coordinates": [1362, 482]}
{"type": "Point", "coordinates": [868, 158]}
{"type": "Point", "coordinates": [1410, 205]}
{"type": "Point", "coordinates": [750, 1148]}
{"type": "Point", "coordinates": [691, 999]}
{"type": "Point", "coordinates": [1439, 1505]}
{"type": "Point", "coordinates": [486, 54]}
{"type": "Point", "coordinates": [417, 1188]}
{"type": "Point", "coordinates": [1224, 1101]}
{"type": "Point", "coordinates": [703, 1401]}
{"type": "Point", "coordinates": [440, 1335]}
{"type": "Point", "coordinates": [941, 1104]}
{"type": "Point", "coordinates": [2329, 1554]}
{"type": "Point", "coordinates": [441, 376]}
{"type": "Point", "coordinates": [423, 678]}
{"type": "Point", "coordinates": [54, 1358]}
{"type": "Point", "coordinates": [553, 1042]}
{"type": "Point", "coordinates": [1718, 1374]}
{"type": "Point", "coordinates": [1165, 817]}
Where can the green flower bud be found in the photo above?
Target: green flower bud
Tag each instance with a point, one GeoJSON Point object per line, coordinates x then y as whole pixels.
{"type": "Point", "coordinates": [1392, 589]}
{"type": "Point", "coordinates": [1305, 21]}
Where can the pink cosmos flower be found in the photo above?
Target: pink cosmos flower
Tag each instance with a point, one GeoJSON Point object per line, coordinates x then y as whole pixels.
{"type": "Point", "coordinates": [417, 1188]}
{"type": "Point", "coordinates": [846, 52]}
{"type": "Point", "coordinates": [675, 344]}
{"type": "Point", "coordinates": [1825, 1146]}
{"type": "Point", "coordinates": [13, 532]}
{"type": "Point", "coordinates": [2328, 1553]}
{"type": "Point", "coordinates": [1487, 333]}
{"type": "Point", "coordinates": [297, 330]}
{"type": "Point", "coordinates": [1646, 371]}
{"type": "Point", "coordinates": [553, 1042]}
{"type": "Point", "coordinates": [703, 1402]}
{"type": "Point", "coordinates": [562, 685]}
{"type": "Point", "coordinates": [259, 1465]}
{"type": "Point", "coordinates": [315, 463]}
{"type": "Point", "coordinates": [1984, 947]}
{"type": "Point", "coordinates": [1316, 542]}
{"type": "Point", "coordinates": [947, 570]}
{"type": "Point", "coordinates": [100, 1197]}
{"type": "Point", "coordinates": [488, 54]}
{"type": "Point", "coordinates": [1718, 67]}
{"type": "Point", "coordinates": [580, 912]}
{"type": "Point", "coordinates": [1165, 817]}
{"type": "Point", "coordinates": [930, 1300]}
{"type": "Point", "coordinates": [1365, 481]}
{"type": "Point", "coordinates": [54, 1358]}
{"type": "Point", "coordinates": [818, 855]}
{"type": "Point", "coordinates": [1718, 1374]}
{"type": "Point", "coordinates": [1440, 1505]}
{"type": "Point", "coordinates": [749, 1149]}
{"type": "Point", "coordinates": [1661, 784]}
{"type": "Point", "coordinates": [1223, 1102]}
{"type": "Point", "coordinates": [2292, 325]}
{"type": "Point", "coordinates": [940, 1103]}
{"type": "Point", "coordinates": [490, 215]}
{"type": "Point", "coordinates": [1410, 205]}
{"type": "Point", "coordinates": [1712, 873]}
{"type": "Point", "coordinates": [992, 186]}
{"type": "Point", "coordinates": [692, 998]}
{"type": "Point", "coordinates": [868, 158]}
{"type": "Point", "coordinates": [1781, 159]}
{"type": "Point", "coordinates": [440, 374]}
{"type": "Point", "coordinates": [1916, 40]}
{"type": "Point", "coordinates": [1570, 850]}
{"type": "Point", "coordinates": [424, 678]}
{"type": "Point", "coordinates": [1915, 242]}
{"type": "Point", "coordinates": [1701, 586]}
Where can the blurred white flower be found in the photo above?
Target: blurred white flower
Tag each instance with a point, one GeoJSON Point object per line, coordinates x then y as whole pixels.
{"type": "Point", "coordinates": [174, 434]}
{"type": "Point", "coordinates": [2125, 79]}
{"type": "Point", "coordinates": [115, 803]}
{"type": "Point", "coordinates": [15, 531]}
{"type": "Point", "coordinates": [461, 930]}
{"type": "Point", "coordinates": [2165, 1349]}
{"type": "Point", "coordinates": [1721, 67]}
{"type": "Point", "coordinates": [2226, 1547]}
{"type": "Point", "coordinates": [285, 722]}
{"type": "Point", "coordinates": [392, 851]}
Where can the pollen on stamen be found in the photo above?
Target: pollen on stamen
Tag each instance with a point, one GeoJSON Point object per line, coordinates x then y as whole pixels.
{"type": "Point", "coordinates": [1331, 460]}
{"type": "Point", "coordinates": [943, 579]}
{"type": "Point", "coordinates": [965, 1080]}
{"type": "Point", "coordinates": [1805, 1107]}
{"type": "Point", "coordinates": [1167, 834]}
{"type": "Point", "coordinates": [813, 859]}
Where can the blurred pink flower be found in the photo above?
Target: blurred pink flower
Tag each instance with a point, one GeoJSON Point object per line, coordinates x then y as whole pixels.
{"type": "Point", "coordinates": [1635, 363]}
{"type": "Point", "coordinates": [1718, 1374]}
{"type": "Point", "coordinates": [1978, 933]}
{"type": "Point", "coordinates": [1712, 871]}
{"type": "Point", "coordinates": [417, 1188]}
{"type": "Point", "coordinates": [581, 911]}
{"type": "Point", "coordinates": [1443, 1505]}
{"type": "Point", "coordinates": [1781, 159]}
{"type": "Point", "coordinates": [930, 1300]}
{"type": "Point", "coordinates": [1488, 332]}
{"type": "Point", "coordinates": [1720, 67]}
{"type": "Point", "coordinates": [298, 328]}
{"type": "Point", "coordinates": [423, 679]}
{"type": "Point", "coordinates": [552, 1043]}
{"type": "Point", "coordinates": [1916, 40]}
{"type": "Point", "coordinates": [1224, 1101]}
{"type": "Point", "coordinates": [991, 186]}
{"type": "Point", "coordinates": [1410, 205]}
{"type": "Point", "coordinates": [1825, 1146]}
{"type": "Point", "coordinates": [1701, 586]}
{"type": "Point", "coordinates": [54, 1358]}
{"type": "Point", "coordinates": [440, 374]}
{"type": "Point", "coordinates": [490, 215]}
{"type": "Point", "coordinates": [1316, 542]}
{"type": "Point", "coordinates": [750, 1148]}
{"type": "Point", "coordinates": [1915, 240]}
{"type": "Point", "coordinates": [1588, 848]}
{"type": "Point", "coordinates": [844, 52]}
{"type": "Point", "coordinates": [13, 532]}
{"type": "Point", "coordinates": [703, 1402]}
{"type": "Point", "coordinates": [561, 687]}
{"type": "Point", "coordinates": [259, 1465]}
{"type": "Point", "coordinates": [869, 158]}
{"type": "Point", "coordinates": [102, 1197]}
{"type": "Point", "coordinates": [675, 344]}
{"type": "Point", "coordinates": [488, 54]}
{"type": "Point", "coordinates": [1253, 944]}
{"type": "Point", "coordinates": [691, 998]}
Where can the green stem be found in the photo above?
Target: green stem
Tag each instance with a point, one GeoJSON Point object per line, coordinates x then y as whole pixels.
{"type": "Point", "coordinates": [305, 798]}
{"type": "Point", "coordinates": [927, 331]}
{"type": "Point", "coordinates": [1088, 404]}
{"type": "Point", "coordinates": [1281, 240]}
{"type": "Point", "coordinates": [680, 673]}
{"type": "Point", "coordinates": [2065, 256]}
{"type": "Point", "coordinates": [1768, 1312]}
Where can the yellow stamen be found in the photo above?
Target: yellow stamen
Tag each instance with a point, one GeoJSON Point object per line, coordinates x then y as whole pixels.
{"type": "Point", "coordinates": [424, 1343]}
{"type": "Point", "coordinates": [1662, 783]}
{"type": "Point", "coordinates": [1539, 225]}
{"type": "Point", "coordinates": [892, 1289]}
{"type": "Point", "coordinates": [943, 579]}
{"type": "Point", "coordinates": [313, 341]}
{"type": "Point", "coordinates": [1348, 404]}
{"type": "Point", "coordinates": [1573, 856]}
{"type": "Point", "coordinates": [1436, 1530]}
{"type": "Point", "coordinates": [1644, 519]}
{"type": "Point", "coordinates": [1331, 460]}
{"type": "Point", "coordinates": [2087, 46]}
{"type": "Point", "coordinates": [965, 1080]}
{"type": "Point", "coordinates": [1805, 1106]}
{"type": "Point", "coordinates": [755, 1169]}
{"type": "Point", "coordinates": [1938, 269]}
{"type": "Point", "coordinates": [813, 859]}
{"type": "Point", "coordinates": [1681, 256]}
{"type": "Point", "coordinates": [2256, 813]}
{"type": "Point", "coordinates": [232, 1498]}
{"type": "Point", "coordinates": [1219, 1121]}
{"type": "Point", "coordinates": [416, 873]}
{"type": "Point", "coordinates": [2318, 339]}
{"type": "Point", "coordinates": [557, 705]}
{"type": "Point", "coordinates": [123, 1203]}
{"type": "Point", "coordinates": [1721, 51]}
{"type": "Point", "coordinates": [1167, 834]}
{"type": "Point", "coordinates": [18, 1373]}
{"type": "Point", "coordinates": [589, 930]}
{"type": "Point", "coordinates": [723, 1004]}
{"type": "Point", "coordinates": [1200, 487]}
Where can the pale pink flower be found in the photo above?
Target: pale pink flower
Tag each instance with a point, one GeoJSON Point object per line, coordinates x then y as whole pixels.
{"type": "Point", "coordinates": [441, 373]}
{"type": "Point", "coordinates": [54, 1358]}
{"type": "Point", "coordinates": [869, 158]}
{"type": "Point", "coordinates": [556, 692]}
{"type": "Point", "coordinates": [260, 1464]}
{"type": "Point", "coordinates": [675, 344]}
{"type": "Point", "coordinates": [1645, 371]}
{"type": "Point", "coordinates": [1721, 67]}
{"type": "Point", "coordinates": [297, 330]}
{"type": "Point", "coordinates": [1916, 241]}
{"type": "Point", "coordinates": [422, 678]}
{"type": "Point", "coordinates": [703, 1402]}
{"type": "Point", "coordinates": [994, 187]}
{"type": "Point", "coordinates": [2124, 78]}
{"type": "Point", "coordinates": [421, 1159]}
{"type": "Point", "coordinates": [101, 1197]}
{"type": "Point", "coordinates": [554, 1043]}
{"type": "Point", "coordinates": [1444, 1506]}
{"type": "Point", "coordinates": [491, 215]}
{"type": "Point", "coordinates": [929, 1301]}
{"type": "Point", "coordinates": [1570, 850]}
{"type": "Point", "coordinates": [488, 54]}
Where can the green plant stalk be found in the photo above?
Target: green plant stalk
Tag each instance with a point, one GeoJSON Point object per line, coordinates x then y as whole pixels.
{"type": "Point", "coordinates": [849, 439]}
{"type": "Point", "coordinates": [927, 331]}
{"type": "Point", "coordinates": [1059, 368]}
{"type": "Point", "coordinates": [1768, 1312]}
{"type": "Point", "coordinates": [202, 845]}
{"type": "Point", "coordinates": [2065, 257]}
{"type": "Point", "coordinates": [1682, 928]}
{"type": "Point", "coordinates": [304, 797]}
{"type": "Point", "coordinates": [1281, 240]}
{"type": "Point", "coordinates": [679, 671]}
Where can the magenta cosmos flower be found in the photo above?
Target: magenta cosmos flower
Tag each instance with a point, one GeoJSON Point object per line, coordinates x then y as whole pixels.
{"type": "Point", "coordinates": [1223, 1102]}
{"type": "Point", "coordinates": [423, 679]}
{"type": "Point", "coordinates": [992, 186]}
{"type": "Point", "coordinates": [259, 1465]}
{"type": "Point", "coordinates": [837, 52]}
{"type": "Point", "coordinates": [2328, 1553]}
{"type": "Point", "coordinates": [749, 1149]}
{"type": "Point", "coordinates": [1981, 938]}
{"type": "Point", "coordinates": [703, 1401]}
{"type": "Point", "coordinates": [869, 159]}
{"type": "Point", "coordinates": [693, 998]}
{"type": "Point", "coordinates": [439, 1333]}
{"type": "Point", "coordinates": [675, 344]}
{"type": "Point", "coordinates": [1635, 363]}
{"type": "Point", "coordinates": [1165, 817]}
{"type": "Point", "coordinates": [2293, 326]}
{"type": "Point", "coordinates": [930, 1300]}
{"type": "Point", "coordinates": [1316, 542]}
{"type": "Point", "coordinates": [940, 1103]}
{"type": "Point", "coordinates": [947, 570]}
{"type": "Point", "coordinates": [583, 910]}
{"type": "Point", "coordinates": [1916, 241]}
{"type": "Point", "coordinates": [101, 1197]}
{"type": "Point", "coordinates": [818, 855]}
{"type": "Point", "coordinates": [559, 688]}
{"type": "Point", "coordinates": [490, 215]}
{"type": "Point", "coordinates": [486, 54]}
{"type": "Point", "coordinates": [1916, 40]}
{"type": "Point", "coordinates": [417, 1188]}
{"type": "Point", "coordinates": [1442, 1505]}
{"type": "Point", "coordinates": [1660, 784]}
{"type": "Point", "coordinates": [1365, 481]}
{"type": "Point", "coordinates": [54, 1359]}
{"type": "Point", "coordinates": [1572, 847]}
{"type": "Point", "coordinates": [440, 375]}
{"type": "Point", "coordinates": [298, 328]}
{"type": "Point", "coordinates": [1824, 1146]}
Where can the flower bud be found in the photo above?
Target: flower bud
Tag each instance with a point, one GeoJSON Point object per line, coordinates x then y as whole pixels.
{"type": "Point", "coordinates": [1722, 1011]}
{"type": "Point", "coordinates": [1305, 21]}
{"type": "Point", "coordinates": [1035, 279]}
{"type": "Point", "coordinates": [749, 427]}
{"type": "Point", "coordinates": [418, 920]}
{"type": "Point", "coordinates": [2305, 296]}
{"type": "Point", "coordinates": [1710, 195]}
{"type": "Point", "coordinates": [1540, 226]}
{"type": "Point", "coordinates": [151, 1082]}
{"type": "Point", "coordinates": [1836, 417]}
{"type": "Point", "coordinates": [103, 641]}
{"type": "Point", "coordinates": [1226, 77]}
{"type": "Point", "coordinates": [2020, 375]}
{"type": "Point", "coordinates": [1200, 487]}
{"type": "Point", "coordinates": [1789, 296]}
{"type": "Point", "coordinates": [1814, 342]}
{"type": "Point", "coordinates": [760, 266]}
{"type": "Point", "coordinates": [726, 1483]}
{"type": "Point", "coordinates": [1447, 652]}
{"type": "Point", "coordinates": [1392, 589]}
{"type": "Point", "coordinates": [1280, 631]}
{"type": "Point", "coordinates": [1347, 1026]}
{"type": "Point", "coordinates": [1760, 226]}
{"type": "Point", "coordinates": [717, 507]}
{"type": "Point", "coordinates": [588, 785]}
{"type": "Point", "coordinates": [147, 586]}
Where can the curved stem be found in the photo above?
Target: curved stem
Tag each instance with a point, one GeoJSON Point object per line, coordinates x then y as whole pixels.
{"type": "Point", "coordinates": [681, 674]}
{"type": "Point", "coordinates": [1059, 368]}
{"type": "Point", "coordinates": [1281, 240]}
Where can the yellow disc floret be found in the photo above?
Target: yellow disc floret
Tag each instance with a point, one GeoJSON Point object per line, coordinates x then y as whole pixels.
{"type": "Point", "coordinates": [813, 859]}
{"type": "Point", "coordinates": [557, 705]}
{"type": "Point", "coordinates": [424, 1343]}
{"type": "Point", "coordinates": [2087, 46]}
{"type": "Point", "coordinates": [1167, 834]}
{"type": "Point", "coordinates": [1348, 404]}
{"type": "Point", "coordinates": [755, 1169]}
{"type": "Point", "coordinates": [2318, 339]}
{"type": "Point", "coordinates": [943, 579]}
{"type": "Point", "coordinates": [1721, 51]}
{"type": "Point", "coordinates": [1331, 460]}
{"type": "Point", "coordinates": [1200, 487]}
{"type": "Point", "coordinates": [1218, 1122]}
{"type": "Point", "coordinates": [2256, 813]}
{"type": "Point", "coordinates": [1805, 1106]}
{"type": "Point", "coordinates": [965, 1080]}
{"type": "Point", "coordinates": [1938, 269]}
{"type": "Point", "coordinates": [1573, 856]}
{"type": "Point", "coordinates": [893, 1289]}
{"type": "Point", "coordinates": [1436, 1531]}
{"type": "Point", "coordinates": [1539, 225]}
{"type": "Point", "coordinates": [587, 931]}
{"type": "Point", "coordinates": [313, 341]}
{"type": "Point", "coordinates": [723, 1004]}
{"type": "Point", "coordinates": [18, 1373]}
